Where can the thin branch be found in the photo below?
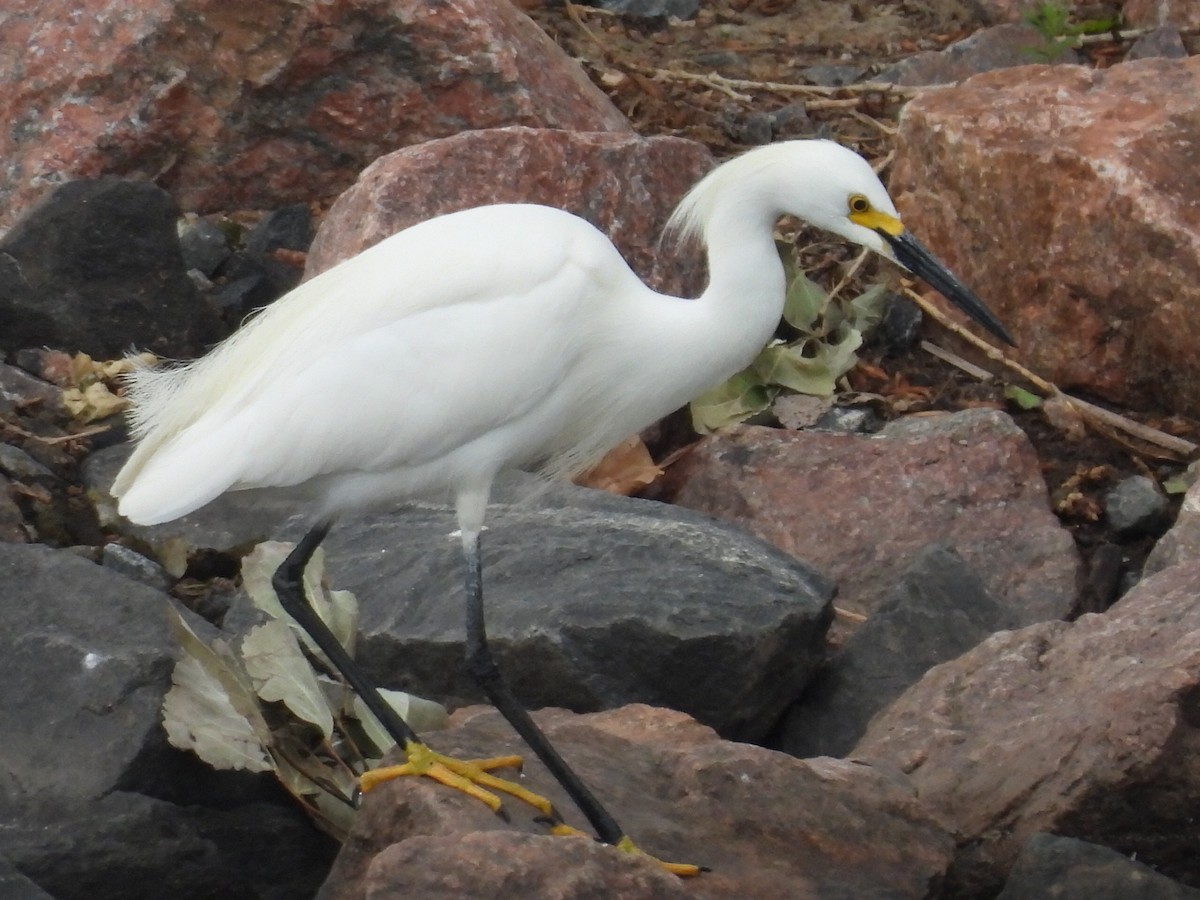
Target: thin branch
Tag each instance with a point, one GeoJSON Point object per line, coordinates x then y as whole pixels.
{"type": "Point", "coordinates": [1097, 416]}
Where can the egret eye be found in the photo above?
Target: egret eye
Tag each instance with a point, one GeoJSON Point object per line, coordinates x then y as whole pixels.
{"type": "Point", "coordinates": [859, 204]}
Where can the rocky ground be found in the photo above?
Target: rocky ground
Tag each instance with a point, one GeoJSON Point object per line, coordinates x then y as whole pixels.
{"type": "Point", "coordinates": [1041, 722]}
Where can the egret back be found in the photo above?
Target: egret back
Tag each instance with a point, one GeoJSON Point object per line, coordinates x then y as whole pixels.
{"type": "Point", "coordinates": [504, 267]}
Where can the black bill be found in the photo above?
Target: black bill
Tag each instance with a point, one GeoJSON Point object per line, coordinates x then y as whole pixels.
{"type": "Point", "coordinates": [913, 255]}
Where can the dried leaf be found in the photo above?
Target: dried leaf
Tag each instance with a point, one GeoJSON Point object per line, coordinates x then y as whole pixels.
{"type": "Point", "coordinates": [282, 674]}
{"type": "Point", "coordinates": [421, 715]}
{"type": "Point", "coordinates": [93, 402]}
{"type": "Point", "coordinates": [337, 609]}
{"type": "Point", "coordinates": [625, 469]}
{"type": "Point", "coordinates": [211, 710]}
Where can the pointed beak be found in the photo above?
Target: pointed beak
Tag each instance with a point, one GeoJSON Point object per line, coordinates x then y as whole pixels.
{"type": "Point", "coordinates": [915, 257]}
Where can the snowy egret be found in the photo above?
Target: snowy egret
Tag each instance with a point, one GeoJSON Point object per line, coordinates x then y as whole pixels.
{"type": "Point", "coordinates": [509, 336]}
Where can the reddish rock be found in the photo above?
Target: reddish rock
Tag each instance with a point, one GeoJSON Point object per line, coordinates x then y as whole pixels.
{"type": "Point", "coordinates": [1182, 541]}
{"type": "Point", "coordinates": [1152, 13]}
{"type": "Point", "coordinates": [1087, 729]}
{"type": "Point", "coordinates": [768, 825]}
{"type": "Point", "coordinates": [256, 105]}
{"type": "Point", "coordinates": [624, 184]}
{"type": "Point", "coordinates": [1056, 193]}
{"type": "Point", "coordinates": [861, 508]}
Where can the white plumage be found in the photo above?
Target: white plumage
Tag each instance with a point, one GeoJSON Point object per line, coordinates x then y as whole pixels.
{"type": "Point", "coordinates": [500, 336]}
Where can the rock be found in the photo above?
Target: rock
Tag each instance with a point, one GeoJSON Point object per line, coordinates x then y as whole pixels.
{"type": "Point", "coordinates": [1183, 14]}
{"type": "Point", "coordinates": [19, 388]}
{"type": "Point", "coordinates": [203, 244]}
{"type": "Point", "coordinates": [592, 601]}
{"type": "Point", "coordinates": [767, 825]}
{"type": "Point", "coordinates": [650, 9]}
{"type": "Point", "coordinates": [15, 886]}
{"type": "Point", "coordinates": [263, 104]}
{"type": "Point", "coordinates": [1053, 866]}
{"type": "Point", "coordinates": [1164, 41]}
{"type": "Point", "coordinates": [133, 565]}
{"type": "Point", "coordinates": [1084, 729]}
{"type": "Point", "coordinates": [1136, 507]}
{"type": "Point", "coordinates": [998, 47]}
{"type": "Point", "coordinates": [97, 267]}
{"type": "Point", "coordinates": [861, 508]}
{"type": "Point", "coordinates": [95, 803]}
{"type": "Point", "coordinates": [938, 610]}
{"type": "Point", "coordinates": [264, 270]}
{"type": "Point", "coordinates": [624, 184]}
{"type": "Point", "coordinates": [1102, 150]}
{"type": "Point", "coordinates": [1182, 540]}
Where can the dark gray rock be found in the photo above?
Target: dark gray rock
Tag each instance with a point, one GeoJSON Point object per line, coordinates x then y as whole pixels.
{"type": "Point", "coordinates": [127, 846]}
{"type": "Point", "coordinates": [134, 565]}
{"type": "Point", "coordinates": [593, 601]}
{"type": "Point", "coordinates": [97, 267]}
{"type": "Point", "coordinates": [938, 610]}
{"type": "Point", "coordinates": [998, 47]}
{"type": "Point", "coordinates": [15, 886]}
{"type": "Point", "coordinates": [650, 9]}
{"type": "Point", "coordinates": [1165, 42]}
{"type": "Point", "coordinates": [1136, 507]}
{"type": "Point", "coordinates": [93, 801]}
{"type": "Point", "coordinates": [1054, 866]}
{"type": "Point", "coordinates": [204, 245]}
{"type": "Point", "coordinates": [289, 228]}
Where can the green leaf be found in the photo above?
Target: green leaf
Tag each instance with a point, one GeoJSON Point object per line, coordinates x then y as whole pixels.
{"type": "Point", "coordinates": [1022, 398]}
{"type": "Point", "coordinates": [805, 302]}
{"type": "Point", "coordinates": [867, 309]}
{"type": "Point", "coordinates": [739, 398]}
{"type": "Point", "coordinates": [1179, 484]}
{"type": "Point", "coordinates": [786, 365]}
{"type": "Point", "coordinates": [282, 674]}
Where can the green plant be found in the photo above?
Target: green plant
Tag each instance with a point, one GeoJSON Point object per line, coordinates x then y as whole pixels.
{"type": "Point", "coordinates": [1053, 21]}
{"type": "Point", "coordinates": [827, 330]}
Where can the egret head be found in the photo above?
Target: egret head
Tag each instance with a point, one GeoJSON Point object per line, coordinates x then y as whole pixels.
{"type": "Point", "coordinates": [834, 188]}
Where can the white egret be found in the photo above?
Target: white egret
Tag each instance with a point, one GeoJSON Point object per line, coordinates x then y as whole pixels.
{"type": "Point", "coordinates": [509, 336]}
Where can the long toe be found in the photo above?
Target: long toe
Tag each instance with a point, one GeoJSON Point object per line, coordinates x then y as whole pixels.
{"type": "Point", "coordinates": [471, 776]}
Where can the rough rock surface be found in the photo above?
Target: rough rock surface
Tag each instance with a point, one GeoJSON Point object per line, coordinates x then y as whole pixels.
{"type": "Point", "coordinates": [938, 610]}
{"type": "Point", "coordinates": [592, 601]}
{"type": "Point", "coordinates": [769, 826]}
{"type": "Point", "coordinates": [860, 508]}
{"type": "Point", "coordinates": [999, 47]}
{"type": "Point", "coordinates": [93, 801]}
{"type": "Point", "coordinates": [1022, 179]}
{"type": "Point", "coordinates": [1087, 729]}
{"type": "Point", "coordinates": [97, 267]}
{"type": "Point", "coordinates": [254, 105]}
{"type": "Point", "coordinates": [1053, 866]}
{"type": "Point", "coordinates": [624, 184]}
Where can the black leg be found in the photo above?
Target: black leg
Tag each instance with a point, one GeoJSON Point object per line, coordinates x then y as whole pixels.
{"type": "Point", "coordinates": [482, 667]}
{"type": "Point", "coordinates": [288, 581]}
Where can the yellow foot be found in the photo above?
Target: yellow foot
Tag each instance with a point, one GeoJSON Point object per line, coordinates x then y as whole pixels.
{"type": "Point", "coordinates": [625, 845]}
{"type": "Point", "coordinates": [471, 776]}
